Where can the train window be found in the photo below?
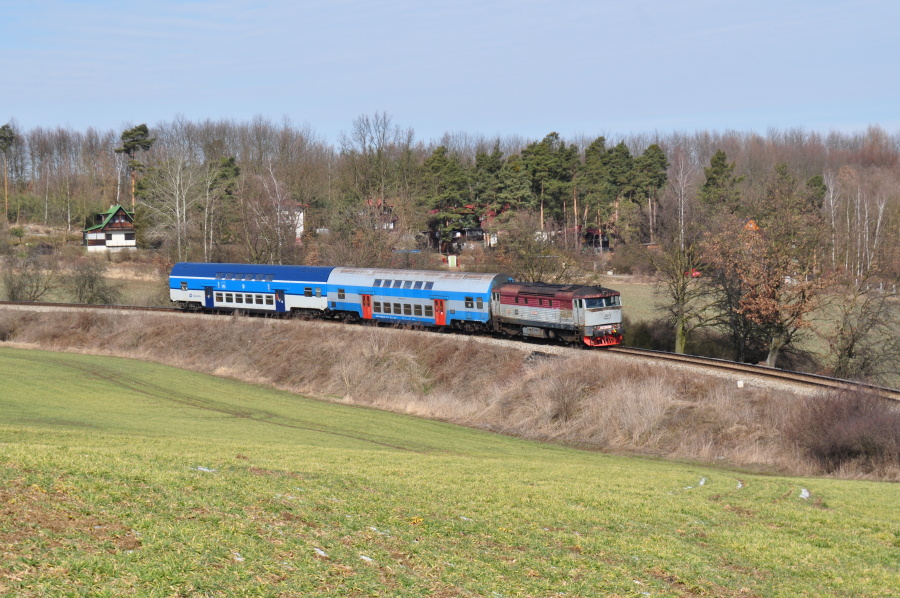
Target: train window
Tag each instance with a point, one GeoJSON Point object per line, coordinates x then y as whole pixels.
{"type": "Point", "coordinates": [259, 299]}
{"type": "Point", "coordinates": [398, 284]}
{"type": "Point", "coordinates": [429, 286]}
{"type": "Point", "coordinates": [184, 286]}
{"type": "Point", "coordinates": [377, 282]}
{"type": "Point", "coordinates": [260, 276]}
{"type": "Point", "coordinates": [318, 292]}
{"type": "Point", "coordinates": [386, 284]}
{"type": "Point", "coordinates": [407, 284]}
{"type": "Point", "coordinates": [429, 311]}
{"type": "Point", "coordinates": [417, 310]}
{"type": "Point", "coordinates": [229, 276]}
{"type": "Point", "coordinates": [239, 298]}
{"type": "Point", "coordinates": [270, 277]}
{"type": "Point", "coordinates": [307, 292]}
{"type": "Point", "coordinates": [270, 300]}
{"type": "Point", "coordinates": [470, 303]}
{"type": "Point", "coordinates": [341, 294]}
{"type": "Point", "coordinates": [228, 298]}
{"type": "Point", "coordinates": [219, 297]}
{"type": "Point", "coordinates": [387, 307]}
{"type": "Point", "coordinates": [407, 309]}
{"type": "Point", "coordinates": [376, 307]}
{"type": "Point", "coordinates": [220, 275]}
{"type": "Point", "coordinates": [418, 284]}
{"type": "Point", "coordinates": [480, 303]}
{"type": "Point", "coordinates": [398, 309]}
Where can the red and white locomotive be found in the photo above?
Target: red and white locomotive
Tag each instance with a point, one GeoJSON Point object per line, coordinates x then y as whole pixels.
{"type": "Point", "coordinates": [571, 313]}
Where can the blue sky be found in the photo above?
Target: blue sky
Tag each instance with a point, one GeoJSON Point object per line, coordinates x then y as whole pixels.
{"type": "Point", "coordinates": [477, 66]}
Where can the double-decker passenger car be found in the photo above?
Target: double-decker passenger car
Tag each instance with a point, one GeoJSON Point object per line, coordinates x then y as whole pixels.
{"type": "Point", "coordinates": [424, 297]}
{"type": "Point", "coordinates": [250, 287]}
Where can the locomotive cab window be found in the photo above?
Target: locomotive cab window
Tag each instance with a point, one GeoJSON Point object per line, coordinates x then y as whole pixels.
{"type": "Point", "coordinates": [470, 303]}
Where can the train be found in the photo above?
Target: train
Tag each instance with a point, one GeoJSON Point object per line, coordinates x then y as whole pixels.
{"type": "Point", "coordinates": [589, 316]}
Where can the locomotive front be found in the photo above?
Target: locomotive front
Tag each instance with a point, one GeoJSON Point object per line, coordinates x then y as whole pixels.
{"type": "Point", "coordinates": [601, 316]}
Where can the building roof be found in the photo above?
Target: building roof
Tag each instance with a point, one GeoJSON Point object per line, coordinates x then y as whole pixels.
{"type": "Point", "coordinates": [107, 216]}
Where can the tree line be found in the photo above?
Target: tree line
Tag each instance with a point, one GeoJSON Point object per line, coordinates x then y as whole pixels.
{"type": "Point", "coordinates": [773, 224]}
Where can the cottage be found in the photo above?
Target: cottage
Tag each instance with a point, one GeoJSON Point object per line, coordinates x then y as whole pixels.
{"type": "Point", "coordinates": [112, 230]}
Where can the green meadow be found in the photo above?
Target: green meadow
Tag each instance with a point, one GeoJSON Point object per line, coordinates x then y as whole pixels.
{"type": "Point", "coordinates": [122, 478]}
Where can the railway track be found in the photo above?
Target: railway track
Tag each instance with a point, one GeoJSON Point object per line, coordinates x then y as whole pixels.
{"type": "Point", "coordinates": [796, 378]}
{"type": "Point", "coordinates": [810, 381]}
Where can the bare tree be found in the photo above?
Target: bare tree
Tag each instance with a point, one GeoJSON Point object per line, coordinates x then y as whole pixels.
{"type": "Point", "coordinates": [533, 255]}
{"type": "Point", "coordinates": [269, 220]}
{"type": "Point", "coordinates": [173, 186]}
{"type": "Point", "coordinates": [29, 278]}
{"type": "Point", "coordinates": [87, 283]}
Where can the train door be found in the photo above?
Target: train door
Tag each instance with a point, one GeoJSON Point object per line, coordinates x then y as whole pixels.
{"type": "Point", "coordinates": [279, 300]}
{"type": "Point", "coordinates": [208, 296]}
{"type": "Point", "coordinates": [366, 307]}
{"type": "Point", "coordinates": [440, 314]}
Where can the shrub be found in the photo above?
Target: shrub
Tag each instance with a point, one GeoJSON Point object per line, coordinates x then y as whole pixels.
{"type": "Point", "coordinates": [655, 334]}
{"type": "Point", "coordinates": [847, 428]}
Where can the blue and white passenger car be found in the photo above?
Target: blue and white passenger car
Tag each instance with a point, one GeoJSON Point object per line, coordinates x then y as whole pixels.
{"type": "Point", "coordinates": [250, 287]}
{"type": "Point", "coordinates": [423, 297]}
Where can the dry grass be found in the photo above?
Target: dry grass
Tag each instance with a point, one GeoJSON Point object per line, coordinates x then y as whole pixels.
{"type": "Point", "coordinates": [593, 400]}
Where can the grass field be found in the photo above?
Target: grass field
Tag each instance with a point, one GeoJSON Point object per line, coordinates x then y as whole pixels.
{"type": "Point", "coordinates": [124, 478]}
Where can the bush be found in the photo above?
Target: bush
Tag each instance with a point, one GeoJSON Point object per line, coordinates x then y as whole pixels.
{"type": "Point", "coordinates": [657, 335]}
{"type": "Point", "coordinates": [847, 428]}
{"type": "Point", "coordinates": [87, 283]}
{"type": "Point", "coordinates": [631, 259]}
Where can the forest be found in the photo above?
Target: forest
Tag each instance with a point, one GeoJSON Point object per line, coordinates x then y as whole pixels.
{"type": "Point", "coordinates": [757, 243]}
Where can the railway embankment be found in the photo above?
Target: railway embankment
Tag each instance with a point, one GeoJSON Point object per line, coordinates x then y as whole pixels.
{"type": "Point", "coordinates": [591, 399]}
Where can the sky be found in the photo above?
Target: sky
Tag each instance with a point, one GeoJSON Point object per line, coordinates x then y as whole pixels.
{"type": "Point", "coordinates": [494, 68]}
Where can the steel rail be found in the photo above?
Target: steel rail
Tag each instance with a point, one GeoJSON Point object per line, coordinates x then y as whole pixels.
{"type": "Point", "coordinates": [812, 380]}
